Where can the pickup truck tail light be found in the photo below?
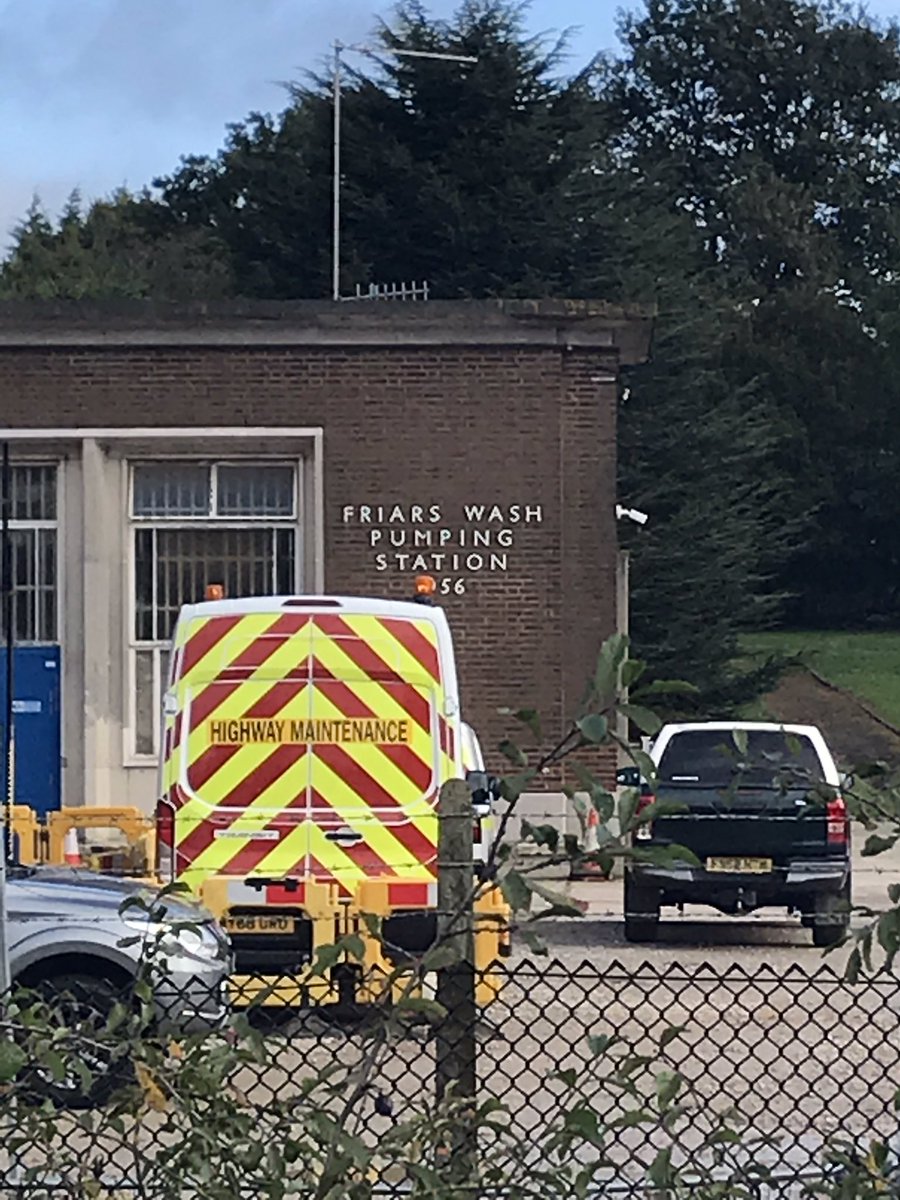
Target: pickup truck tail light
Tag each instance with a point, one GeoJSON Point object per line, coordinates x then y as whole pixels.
{"type": "Point", "coordinates": [837, 822]}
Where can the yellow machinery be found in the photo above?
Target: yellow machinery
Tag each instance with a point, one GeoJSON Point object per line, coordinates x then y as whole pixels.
{"type": "Point", "coordinates": [56, 842]}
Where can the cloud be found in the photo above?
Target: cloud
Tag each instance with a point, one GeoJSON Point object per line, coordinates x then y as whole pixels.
{"type": "Point", "coordinates": [100, 93]}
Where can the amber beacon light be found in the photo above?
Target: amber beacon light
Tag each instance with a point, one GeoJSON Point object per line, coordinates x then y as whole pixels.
{"type": "Point", "coordinates": [425, 589]}
{"type": "Point", "coordinates": [215, 591]}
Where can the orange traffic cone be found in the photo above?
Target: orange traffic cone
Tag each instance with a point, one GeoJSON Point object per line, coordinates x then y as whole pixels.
{"type": "Point", "coordinates": [591, 844]}
{"type": "Point", "coordinates": [71, 853]}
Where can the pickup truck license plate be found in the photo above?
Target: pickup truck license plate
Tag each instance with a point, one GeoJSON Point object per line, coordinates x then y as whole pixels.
{"type": "Point", "coordinates": [746, 866]}
{"type": "Point", "coordinates": [268, 923]}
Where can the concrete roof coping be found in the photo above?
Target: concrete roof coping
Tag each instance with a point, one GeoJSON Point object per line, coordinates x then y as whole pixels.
{"type": "Point", "coordinates": [571, 324]}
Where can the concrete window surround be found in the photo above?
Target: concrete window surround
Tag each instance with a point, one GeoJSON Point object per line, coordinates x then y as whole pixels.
{"type": "Point", "coordinates": [95, 586]}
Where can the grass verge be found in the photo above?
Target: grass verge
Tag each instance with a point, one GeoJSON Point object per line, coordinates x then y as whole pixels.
{"type": "Point", "coordinates": [867, 664]}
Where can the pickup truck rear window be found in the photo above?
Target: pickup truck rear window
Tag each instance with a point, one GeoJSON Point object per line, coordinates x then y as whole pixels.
{"type": "Point", "coordinates": [711, 758]}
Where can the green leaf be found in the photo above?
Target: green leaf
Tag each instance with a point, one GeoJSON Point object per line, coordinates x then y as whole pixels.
{"type": "Point", "coordinates": [353, 945]}
{"type": "Point", "coordinates": [645, 765]}
{"type": "Point", "coordinates": [567, 1075]}
{"type": "Point", "coordinates": [593, 728]}
{"type": "Point", "coordinates": [422, 1006]}
{"type": "Point", "coordinates": [669, 687]}
{"type": "Point", "coordinates": [541, 835]}
{"type": "Point", "coordinates": [632, 670]}
{"type": "Point", "coordinates": [739, 738]}
{"type": "Point", "coordinates": [566, 905]}
{"type": "Point", "coordinates": [372, 924]}
{"type": "Point", "coordinates": [510, 750]}
{"type": "Point", "coordinates": [117, 1016]}
{"type": "Point", "coordinates": [326, 958]}
{"type": "Point", "coordinates": [600, 1043]}
{"type": "Point", "coordinates": [445, 955]}
{"type": "Point", "coordinates": [606, 674]}
{"type": "Point", "coordinates": [632, 1118]}
{"type": "Point", "coordinates": [604, 804]}
{"type": "Point", "coordinates": [516, 891]}
{"type": "Point", "coordinates": [672, 855]}
{"type": "Point", "coordinates": [512, 786]}
{"type": "Point", "coordinates": [660, 1173]}
{"type": "Point", "coordinates": [53, 1060]}
{"type": "Point", "coordinates": [525, 716]}
{"type": "Point", "coordinates": [648, 722]}
{"type": "Point", "coordinates": [628, 802]}
{"type": "Point", "coordinates": [894, 893]}
{"type": "Point", "coordinates": [12, 1059]}
{"type": "Point", "coordinates": [853, 967]}
{"type": "Point", "coordinates": [670, 1034]}
{"type": "Point", "coordinates": [534, 941]}
{"type": "Point", "coordinates": [875, 844]}
{"type": "Point", "coordinates": [888, 931]}
{"type": "Point", "coordinates": [668, 1085]}
{"type": "Point", "coordinates": [583, 1121]}
{"type": "Point", "coordinates": [633, 1063]}
{"type": "Point", "coordinates": [558, 910]}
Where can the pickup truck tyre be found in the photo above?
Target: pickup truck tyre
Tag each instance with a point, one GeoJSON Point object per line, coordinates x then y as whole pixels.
{"type": "Point", "coordinates": [84, 1002]}
{"type": "Point", "coordinates": [641, 911]}
{"type": "Point", "coordinates": [831, 918]}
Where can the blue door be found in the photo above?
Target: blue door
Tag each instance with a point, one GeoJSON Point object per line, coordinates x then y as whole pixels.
{"type": "Point", "coordinates": [36, 724]}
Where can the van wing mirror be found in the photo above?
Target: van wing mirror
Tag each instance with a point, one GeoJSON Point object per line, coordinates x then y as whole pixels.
{"type": "Point", "coordinates": [485, 790]}
{"type": "Point", "coordinates": [847, 779]}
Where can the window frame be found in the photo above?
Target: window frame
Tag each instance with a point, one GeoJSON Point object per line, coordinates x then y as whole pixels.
{"type": "Point", "coordinates": [54, 524]}
{"type": "Point", "coordinates": [160, 649]}
{"type": "Point", "coordinates": [212, 517]}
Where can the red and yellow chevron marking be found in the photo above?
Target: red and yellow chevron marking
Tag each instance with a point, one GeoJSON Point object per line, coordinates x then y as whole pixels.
{"type": "Point", "coordinates": [293, 731]}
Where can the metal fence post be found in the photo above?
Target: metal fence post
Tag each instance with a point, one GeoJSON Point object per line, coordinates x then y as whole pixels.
{"type": "Point", "coordinates": [456, 1076]}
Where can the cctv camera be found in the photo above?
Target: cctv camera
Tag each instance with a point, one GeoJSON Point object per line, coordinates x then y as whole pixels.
{"type": "Point", "coordinates": [633, 514]}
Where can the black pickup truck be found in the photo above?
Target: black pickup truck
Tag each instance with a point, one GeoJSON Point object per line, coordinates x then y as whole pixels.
{"type": "Point", "coordinates": [760, 807]}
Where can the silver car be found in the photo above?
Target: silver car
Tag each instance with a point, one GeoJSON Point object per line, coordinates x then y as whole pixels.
{"type": "Point", "coordinates": [87, 937]}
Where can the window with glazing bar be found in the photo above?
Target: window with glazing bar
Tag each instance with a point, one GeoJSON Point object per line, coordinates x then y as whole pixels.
{"type": "Point", "coordinates": [33, 553]}
{"type": "Point", "coordinates": [195, 524]}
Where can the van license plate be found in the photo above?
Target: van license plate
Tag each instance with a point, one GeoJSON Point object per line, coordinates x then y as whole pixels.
{"type": "Point", "coordinates": [746, 866]}
{"type": "Point", "coordinates": [261, 924]}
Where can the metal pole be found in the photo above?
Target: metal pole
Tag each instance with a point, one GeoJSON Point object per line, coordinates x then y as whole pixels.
{"type": "Point", "coordinates": [8, 743]}
{"type": "Point", "coordinates": [455, 1048]}
{"type": "Point", "coordinates": [336, 141]}
{"type": "Point", "coordinates": [336, 178]}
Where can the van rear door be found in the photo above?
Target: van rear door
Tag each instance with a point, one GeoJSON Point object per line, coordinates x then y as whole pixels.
{"type": "Point", "coordinates": [377, 730]}
{"type": "Point", "coordinates": [238, 759]}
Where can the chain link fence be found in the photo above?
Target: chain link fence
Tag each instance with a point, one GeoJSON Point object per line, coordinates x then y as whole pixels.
{"type": "Point", "coordinates": [660, 1058]}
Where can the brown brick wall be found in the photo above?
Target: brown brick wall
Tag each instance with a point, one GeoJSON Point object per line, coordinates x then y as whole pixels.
{"type": "Point", "coordinates": [405, 425]}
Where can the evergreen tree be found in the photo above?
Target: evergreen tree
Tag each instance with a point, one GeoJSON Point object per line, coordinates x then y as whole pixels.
{"type": "Point", "coordinates": [114, 250]}
{"type": "Point", "coordinates": [776, 126]}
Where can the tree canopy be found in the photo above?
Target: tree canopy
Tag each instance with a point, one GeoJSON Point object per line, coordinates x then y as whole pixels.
{"type": "Point", "coordinates": [735, 162]}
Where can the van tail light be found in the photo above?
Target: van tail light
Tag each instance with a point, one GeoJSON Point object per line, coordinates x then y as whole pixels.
{"type": "Point", "coordinates": [837, 822]}
{"type": "Point", "coordinates": [165, 841]}
{"type": "Point", "coordinates": [476, 832]}
{"type": "Point", "coordinates": [644, 833]}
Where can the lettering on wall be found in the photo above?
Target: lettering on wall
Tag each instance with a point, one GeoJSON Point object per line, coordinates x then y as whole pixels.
{"type": "Point", "coordinates": [454, 544]}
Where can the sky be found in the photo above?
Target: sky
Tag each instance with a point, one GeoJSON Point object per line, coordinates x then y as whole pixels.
{"type": "Point", "coordinates": [102, 93]}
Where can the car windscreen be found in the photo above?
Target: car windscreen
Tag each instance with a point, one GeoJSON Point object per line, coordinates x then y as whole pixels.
{"type": "Point", "coordinates": [715, 758]}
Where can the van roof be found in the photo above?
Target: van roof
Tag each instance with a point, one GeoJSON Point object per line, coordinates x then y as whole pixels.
{"type": "Point", "coordinates": [347, 604]}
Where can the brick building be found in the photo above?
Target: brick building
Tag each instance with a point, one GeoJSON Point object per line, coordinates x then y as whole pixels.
{"type": "Point", "coordinates": [303, 447]}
